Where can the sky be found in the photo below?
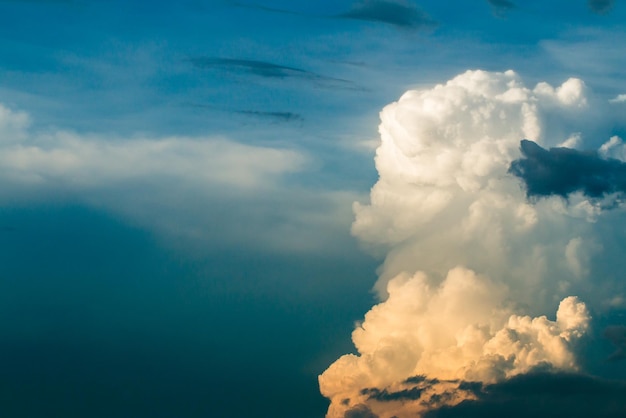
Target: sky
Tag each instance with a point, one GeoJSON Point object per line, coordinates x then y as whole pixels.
{"type": "Point", "coordinates": [350, 209]}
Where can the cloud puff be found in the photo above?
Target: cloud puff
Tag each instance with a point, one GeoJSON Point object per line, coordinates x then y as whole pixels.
{"type": "Point", "coordinates": [398, 13]}
{"type": "Point", "coordinates": [563, 171]}
{"type": "Point", "coordinates": [471, 265]}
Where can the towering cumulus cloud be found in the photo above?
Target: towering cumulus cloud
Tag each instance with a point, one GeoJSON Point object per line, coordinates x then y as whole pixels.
{"type": "Point", "coordinates": [477, 262]}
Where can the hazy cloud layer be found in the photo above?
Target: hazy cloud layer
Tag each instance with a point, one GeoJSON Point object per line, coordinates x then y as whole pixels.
{"type": "Point", "coordinates": [472, 267]}
{"type": "Point", "coordinates": [563, 171]}
{"type": "Point", "coordinates": [205, 191]}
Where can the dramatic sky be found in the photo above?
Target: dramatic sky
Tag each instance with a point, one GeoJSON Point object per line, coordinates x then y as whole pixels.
{"type": "Point", "coordinates": [350, 209]}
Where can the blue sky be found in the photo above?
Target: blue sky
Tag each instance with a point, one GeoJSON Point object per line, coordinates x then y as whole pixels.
{"type": "Point", "coordinates": [177, 183]}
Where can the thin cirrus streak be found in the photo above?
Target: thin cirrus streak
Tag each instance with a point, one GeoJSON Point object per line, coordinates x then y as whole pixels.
{"type": "Point", "coordinates": [472, 265]}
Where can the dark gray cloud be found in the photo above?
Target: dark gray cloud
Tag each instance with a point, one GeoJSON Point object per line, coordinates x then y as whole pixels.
{"type": "Point", "coordinates": [420, 378]}
{"type": "Point", "coordinates": [543, 395]}
{"type": "Point", "coordinates": [274, 116]}
{"type": "Point", "coordinates": [267, 69]}
{"type": "Point", "coordinates": [617, 335]}
{"type": "Point", "coordinates": [601, 6]}
{"type": "Point", "coordinates": [384, 395]}
{"type": "Point", "coordinates": [260, 68]}
{"type": "Point", "coordinates": [562, 171]}
{"type": "Point", "coordinates": [397, 13]}
{"type": "Point", "coordinates": [500, 7]}
{"type": "Point", "coordinates": [360, 411]}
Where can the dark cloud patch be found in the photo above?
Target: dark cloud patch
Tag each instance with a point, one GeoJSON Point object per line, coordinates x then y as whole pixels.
{"type": "Point", "coordinates": [275, 116]}
{"type": "Point", "coordinates": [420, 378]}
{"type": "Point", "coordinates": [269, 70]}
{"type": "Point", "coordinates": [360, 411]}
{"type": "Point", "coordinates": [272, 116]}
{"type": "Point", "coordinates": [544, 395]}
{"type": "Point", "coordinates": [562, 171]}
{"type": "Point", "coordinates": [473, 387]}
{"type": "Point", "coordinates": [411, 394]}
{"type": "Point", "coordinates": [260, 68]}
{"type": "Point", "coordinates": [396, 13]}
{"type": "Point", "coordinates": [600, 6]}
{"type": "Point", "coordinates": [501, 7]}
{"type": "Point", "coordinates": [617, 335]}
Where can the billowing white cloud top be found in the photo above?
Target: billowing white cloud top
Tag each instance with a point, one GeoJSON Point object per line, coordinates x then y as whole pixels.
{"type": "Point", "coordinates": [472, 266]}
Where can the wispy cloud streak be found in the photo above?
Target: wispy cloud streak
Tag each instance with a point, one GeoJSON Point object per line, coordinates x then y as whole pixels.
{"type": "Point", "coordinates": [398, 13]}
{"type": "Point", "coordinates": [269, 70]}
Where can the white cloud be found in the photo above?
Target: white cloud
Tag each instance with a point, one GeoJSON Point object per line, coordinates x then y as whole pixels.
{"type": "Point", "coordinates": [207, 190]}
{"type": "Point", "coordinates": [620, 98]}
{"type": "Point", "coordinates": [445, 199]}
{"type": "Point", "coordinates": [459, 330]}
{"type": "Point", "coordinates": [93, 161]}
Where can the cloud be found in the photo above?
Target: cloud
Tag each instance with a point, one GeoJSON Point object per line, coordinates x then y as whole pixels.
{"type": "Point", "coordinates": [459, 331]}
{"type": "Point", "coordinates": [197, 192]}
{"type": "Point", "coordinates": [269, 115]}
{"type": "Point", "coordinates": [80, 162]}
{"type": "Point", "coordinates": [616, 334]}
{"type": "Point", "coordinates": [397, 13]}
{"type": "Point", "coordinates": [543, 394]}
{"type": "Point", "coordinates": [277, 116]}
{"type": "Point", "coordinates": [563, 171]}
{"type": "Point", "coordinates": [360, 411]}
{"type": "Point", "coordinates": [600, 6]}
{"type": "Point", "coordinates": [269, 70]}
{"type": "Point", "coordinates": [620, 98]}
{"type": "Point", "coordinates": [472, 268]}
{"type": "Point", "coordinates": [500, 7]}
